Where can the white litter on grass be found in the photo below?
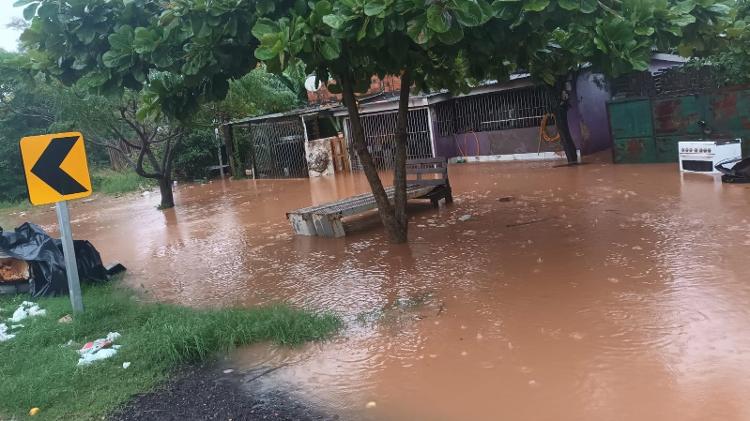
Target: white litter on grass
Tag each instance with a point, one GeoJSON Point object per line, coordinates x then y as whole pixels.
{"type": "Point", "coordinates": [99, 349]}
{"type": "Point", "coordinates": [102, 354]}
{"type": "Point", "coordinates": [27, 309]}
{"type": "Point", "coordinates": [126, 364]}
{"type": "Point", "coordinates": [4, 335]}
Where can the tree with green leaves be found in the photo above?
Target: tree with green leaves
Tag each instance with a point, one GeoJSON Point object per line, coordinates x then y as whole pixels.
{"type": "Point", "coordinates": [184, 53]}
{"type": "Point", "coordinates": [258, 93]}
{"type": "Point", "coordinates": [114, 52]}
{"type": "Point", "coordinates": [23, 111]}
{"type": "Point", "coordinates": [180, 54]}
{"type": "Point", "coordinates": [731, 64]}
{"type": "Point", "coordinates": [147, 145]}
{"type": "Point", "coordinates": [346, 42]}
{"type": "Point", "coordinates": [34, 105]}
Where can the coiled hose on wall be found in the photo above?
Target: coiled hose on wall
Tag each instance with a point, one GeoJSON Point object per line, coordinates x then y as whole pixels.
{"type": "Point", "coordinates": [544, 135]}
{"type": "Point", "coordinates": [461, 150]}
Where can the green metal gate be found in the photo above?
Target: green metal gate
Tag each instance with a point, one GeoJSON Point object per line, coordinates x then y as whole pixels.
{"type": "Point", "coordinates": [648, 130]}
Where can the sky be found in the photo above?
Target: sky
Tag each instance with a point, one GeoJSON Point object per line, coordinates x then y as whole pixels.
{"type": "Point", "coordinates": [8, 37]}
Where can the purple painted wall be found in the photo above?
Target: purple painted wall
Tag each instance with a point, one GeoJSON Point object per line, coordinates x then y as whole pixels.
{"type": "Point", "coordinates": [587, 120]}
{"type": "Point", "coordinates": [587, 117]}
{"type": "Point", "coordinates": [467, 143]}
{"type": "Point", "coordinates": [445, 146]}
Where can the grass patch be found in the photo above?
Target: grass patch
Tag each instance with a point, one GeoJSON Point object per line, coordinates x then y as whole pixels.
{"type": "Point", "coordinates": [14, 206]}
{"type": "Point", "coordinates": [119, 182]}
{"type": "Point", "coordinates": [38, 369]}
{"type": "Point", "coordinates": [7, 209]}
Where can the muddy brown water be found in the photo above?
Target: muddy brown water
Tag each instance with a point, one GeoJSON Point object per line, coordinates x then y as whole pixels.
{"type": "Point", "coordinates": [597, 292]}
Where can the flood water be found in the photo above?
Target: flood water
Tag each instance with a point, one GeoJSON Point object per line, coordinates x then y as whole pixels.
{"type": "Point", "coordinates": [597, 292]}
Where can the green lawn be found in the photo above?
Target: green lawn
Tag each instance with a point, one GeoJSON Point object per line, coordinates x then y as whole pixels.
{"type": "Point", "coordinates": [119, 182]}
{"type": "Point", "coordinates": [104, 181]}
{"type": "Point", "coordinates": [8, 208]}
{"type": "Point", "coordinates": [37, 369]}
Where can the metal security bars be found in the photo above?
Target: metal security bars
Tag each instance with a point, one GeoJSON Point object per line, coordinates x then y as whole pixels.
{"type": "Point", "coordinates": [277, 149]}
{"type": "Point", "coordinates": [512, 109]}
{"type": "Point", "coordinates": [380, 135]}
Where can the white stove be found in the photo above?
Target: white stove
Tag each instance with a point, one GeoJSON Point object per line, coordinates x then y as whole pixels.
{"type": "Point", "coordinates": [702, 156]}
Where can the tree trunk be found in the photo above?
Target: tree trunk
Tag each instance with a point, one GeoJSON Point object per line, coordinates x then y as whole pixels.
{"type": "Point", "coordinates": [561, 119]}
{"type": "Point", "coordinates": [227, 132]}
{"type": "Point", "coordinates": [165, 189]}
{"type": "Point", "coordinates": [385, 210]}
{"type": "Point", "coordinates": [399, 174]}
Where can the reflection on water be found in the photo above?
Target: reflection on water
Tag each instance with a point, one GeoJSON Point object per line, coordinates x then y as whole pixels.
{"type": "Point", "coordinates": [594, 292]}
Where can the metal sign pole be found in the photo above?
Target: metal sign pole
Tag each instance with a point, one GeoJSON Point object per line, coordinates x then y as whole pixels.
{"type": "Point", "coordinates": [71, 268]}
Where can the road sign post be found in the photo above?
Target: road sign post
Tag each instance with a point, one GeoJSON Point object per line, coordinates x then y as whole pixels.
{"type": "Point", "coordinates": [71, 267]}
{"type": "Point", "coordinates": [56, 171]}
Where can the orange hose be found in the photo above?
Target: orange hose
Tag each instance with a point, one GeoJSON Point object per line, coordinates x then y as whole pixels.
{"type": "Point", "coordinates": [476, 139]}
{"type": "Point", "coordinates": [543, 129]}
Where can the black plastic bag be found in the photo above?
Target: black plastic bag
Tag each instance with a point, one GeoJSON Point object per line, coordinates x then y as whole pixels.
{"type": "Point", "coordinates": [738, 173]}
{"type": "Point", "coordinates": [89, 262]}
{"type": "Point", "coordinates": [46, 261]}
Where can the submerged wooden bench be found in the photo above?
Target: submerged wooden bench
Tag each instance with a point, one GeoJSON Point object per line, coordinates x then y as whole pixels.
{"type": "Point", "coordinates": [426, 179]}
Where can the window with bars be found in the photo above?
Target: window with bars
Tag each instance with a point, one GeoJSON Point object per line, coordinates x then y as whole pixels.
{"type": "Point", "coordinates": [512, 109]}
{"type": "Point", "coordinates": [380, 134]}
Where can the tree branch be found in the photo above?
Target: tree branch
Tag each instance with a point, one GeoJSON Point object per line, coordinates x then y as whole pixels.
{"type": "Point", "coordinates": [139, 167]}
{"type": "Point", "coordinates": [609, 9]}
{"type": "Point", "coordinates": [114, 148]}
{"type": "Point", "coordinates": [169, 159]}
{"type": "Point", "coordinates": [46, 117]}
{"type": "Point", "coordinates": [170, 136]}
{"type": "Point", "coordinates": [134, 126]}
{"type": "Point", "coordinates": [152, 159]}
{"type": "Point", "coordinates": [123, 138]}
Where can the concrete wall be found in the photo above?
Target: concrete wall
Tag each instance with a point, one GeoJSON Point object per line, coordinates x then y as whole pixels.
{"type": "Point", "coordinates": [499, 142]}
{"type": "Point", "coordinates": [519, 141]}
{"type": "Point", "coordinates": [587, 117]}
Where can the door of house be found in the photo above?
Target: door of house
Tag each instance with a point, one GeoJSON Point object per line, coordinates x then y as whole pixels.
{"type": "Point", "coordinates": [340, 155]}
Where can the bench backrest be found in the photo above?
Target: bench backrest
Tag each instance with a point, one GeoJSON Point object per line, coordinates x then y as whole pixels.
{"type": "Point", "coordinates": [427, 171]}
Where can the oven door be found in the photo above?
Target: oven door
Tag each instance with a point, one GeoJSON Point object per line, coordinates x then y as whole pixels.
{"type": "Point", "coordinates": [703, 163]}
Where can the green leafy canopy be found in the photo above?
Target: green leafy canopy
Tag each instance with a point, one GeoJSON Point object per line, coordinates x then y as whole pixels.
{"type": "Point", "coordinates": [199, 46]}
